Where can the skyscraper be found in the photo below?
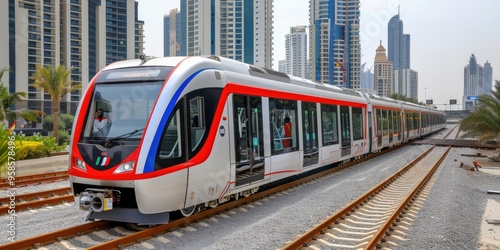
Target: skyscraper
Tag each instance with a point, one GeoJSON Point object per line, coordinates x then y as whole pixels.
{"type": "Point", "coordinates": [296, 51]}
{"type": "Point", "coordinates": [398, 44]}
{"type": "Point", "coordinates": [473, 83]}
{"type": "Point", "coordinates": [405, 80]}
{"type": "Point", "coordinates": [172, 34]}
{"type": "Point", "coordinates": [83, 35]}
{"type": "Point", "coordinates": [487, 78]}
{"type": "Point", "coordinates": [121, 19]}
{"type": "Point", "coordinates": [237, 29]}
{"type": "Point", "coordinates": [382, 73]}
{"type": "Point", "coordinates": [335, 51]}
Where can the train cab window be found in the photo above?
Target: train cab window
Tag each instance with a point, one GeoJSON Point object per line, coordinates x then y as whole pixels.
{"type": "Point", "coordinates": [283, 119]}
{"type": "Point", "coordinates": [329, 121]}
{"type": "Point", "coordinates": [357, 123]}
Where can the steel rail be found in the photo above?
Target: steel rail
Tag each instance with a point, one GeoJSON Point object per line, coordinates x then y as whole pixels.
{"type": "Point", "coordinates": [36, 178]}
{"type": "Point", "coordinates": [51, 237]}
{"type": "Point", "coordinates": [373, 243]}
{"type": "Point", "coordinates": [312, 233]}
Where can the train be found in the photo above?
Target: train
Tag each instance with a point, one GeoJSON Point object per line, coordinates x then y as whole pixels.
{"type": "Point", "coordinates": [179, 134]}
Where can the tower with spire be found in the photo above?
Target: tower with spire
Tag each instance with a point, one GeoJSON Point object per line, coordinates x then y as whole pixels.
{"type": "Point", "coordinates": [477, 81]}
{"type": "Point", "coordinates": [382, 73]}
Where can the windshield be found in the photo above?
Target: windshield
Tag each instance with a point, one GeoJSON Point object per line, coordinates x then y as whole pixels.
{"type": "Point", "coordinates": [119, 111]}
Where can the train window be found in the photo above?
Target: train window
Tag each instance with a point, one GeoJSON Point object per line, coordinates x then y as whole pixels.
{"type": "Point", "coordinates": [385, 123]}
{"type": "Point", "coordinates": [197, 118]}
{"type": "Point", "coordinates": [357, 123]}
{"type": "Point", "coordinates": [329, 121]}
{"type": "Point", "coordinates": [378, 119]}
{"type": "Point", "coordinates": [201, 105]}
{"type": "Point", "coordinates": [171, 143]}
{"type": "Point", "coordinates": [283, 125]}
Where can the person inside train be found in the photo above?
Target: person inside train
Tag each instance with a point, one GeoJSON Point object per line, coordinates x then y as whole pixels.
{"type": "Point", "coordinates": [100, 122]}
{"type": "Point", "coordinates": [287, 135]}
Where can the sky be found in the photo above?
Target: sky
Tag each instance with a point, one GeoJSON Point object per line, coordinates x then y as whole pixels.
{"type": "Point", "coordinates": [444, 34]}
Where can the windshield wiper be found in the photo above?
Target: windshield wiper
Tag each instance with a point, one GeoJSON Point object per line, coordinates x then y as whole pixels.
{"type": "Point", "coordinates": [124, 135]}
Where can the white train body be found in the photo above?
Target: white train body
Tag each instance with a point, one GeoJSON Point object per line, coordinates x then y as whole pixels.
{"type": "Point", "coordinates": [197, 131]}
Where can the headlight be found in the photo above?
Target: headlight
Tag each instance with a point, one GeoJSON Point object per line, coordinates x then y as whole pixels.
{"type": "Point", "coordinates": [80, 164]}
{"type": "Point", "coordinates": [125, 167]}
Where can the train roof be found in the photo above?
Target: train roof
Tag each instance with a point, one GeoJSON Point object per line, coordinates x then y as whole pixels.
{"type": "Point", "coordinates": [248, 69]}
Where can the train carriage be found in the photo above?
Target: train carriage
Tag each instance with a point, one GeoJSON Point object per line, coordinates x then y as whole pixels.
{"type": "Point", "coordinates": [182, 133]}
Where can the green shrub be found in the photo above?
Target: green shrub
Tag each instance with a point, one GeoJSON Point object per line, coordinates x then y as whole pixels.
{"type": "Point", "coordinates": [29, 150]}
{"type": "Point", "coordinates": [48, 142]}
{"type": "Point", "coordinates": [63, 137]}
{"type": "Point", "coordinates": [65, 122]}
{"type": "Point", "coordinates": [4, 150]}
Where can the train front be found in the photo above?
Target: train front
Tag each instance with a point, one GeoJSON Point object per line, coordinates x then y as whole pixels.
{"type": "Point", "coordinates": [107, 138]}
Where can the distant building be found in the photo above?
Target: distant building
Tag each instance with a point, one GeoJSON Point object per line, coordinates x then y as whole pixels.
{"type": "Point", "coordinates": [382, 73]}
{"type": "Point", "coordinates": [405, 80]}
{"type": "Point", "coordinates": [172, 35]}
{"type": "Point", "coordinates": [398, 48]}
{"type": "Point", "coordinates": [296, 52]}
{"type": "Point", "coordinates": [282, 66]}
{"type": "Point", "coordinates": [366, 77]}
{"type": "Point", "coordinates": [334, 42]}
{"type": "Point", "coordinates": [239, 30]}
{"type": "Point", "coordinates": [487, 78]}
{"type": "Point", "coordinates": [477, 81]}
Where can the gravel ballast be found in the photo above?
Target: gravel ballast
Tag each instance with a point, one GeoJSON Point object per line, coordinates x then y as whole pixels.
{"type": "Point", "coordinates": [450, 217]}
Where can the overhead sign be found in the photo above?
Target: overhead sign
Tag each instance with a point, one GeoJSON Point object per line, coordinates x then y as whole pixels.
{"type": "Point", "coordinates": [453, 101]}
{"type": "Point", "coordinates": [472, 97]}
{"type": "Point", "coordinates": [428, 101]}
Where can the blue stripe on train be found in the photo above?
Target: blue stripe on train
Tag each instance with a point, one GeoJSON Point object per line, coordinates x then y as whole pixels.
{"type": "Point", "coordinates": [150, 159]}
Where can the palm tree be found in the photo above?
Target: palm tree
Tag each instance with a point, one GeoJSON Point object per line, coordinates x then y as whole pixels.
{"type": "Point", "coordinates": [56, 82]}
{"type": "Point", "coordinates": [484, 121]}
{"type": "Point", "coordinates": [8, 100]}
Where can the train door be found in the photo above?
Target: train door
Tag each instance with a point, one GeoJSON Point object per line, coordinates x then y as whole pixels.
{"type": "Point", "coordinates": [379, 121]}
{"type": "Point", "coordinates": [310, 133]}
{"type": "Point", "coordinates": [249, 140]}
{"type": "Point", "coordinates": [391, 125]}
{"type": "Point", "coordinates": [345, 130]}
{"type": "Point", "coordinates": [399, 123]}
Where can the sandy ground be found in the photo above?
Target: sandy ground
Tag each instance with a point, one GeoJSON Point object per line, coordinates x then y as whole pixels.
{"type": "Point", "coordinates": [490, 233]}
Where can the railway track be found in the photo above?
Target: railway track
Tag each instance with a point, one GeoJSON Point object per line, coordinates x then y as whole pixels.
{"type": "Point", "coordinates": [63, 236]}
{"type": "Point", "coordinates": [367, 221]}
{"type": "Point", "coordinates": [37, 199]}
{"type": "Point", "coordinates": [138, 235]}
{"type": "Point", "coordinates": [33, 179]}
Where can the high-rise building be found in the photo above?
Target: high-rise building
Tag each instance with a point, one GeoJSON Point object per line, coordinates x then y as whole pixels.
{"type": "Point", "coordinates": [405, 80]}
{"type": "Point", "coordinates": [121, 19]}
{"type": "Point", "coordinates": [83, 35]}
{"type": "Point", "coordinates": [296, 51]}
{"type": "Point", "coordinates": [487, 78]}
{"type": "Point", "coordinates": [172, 34]}
{"type": "Point", "coordinates": [382, 73]}
{"type": "Point", "coordinates": [236, 29]}
{"type": "Point", "coordinates": [282, 66]}
{"type": "Point", "coordinates": [334, 42]}
{"type": "Point", "coordinates": [473, 83]}
{"type": "Point", "coordinates": [398, 44]}
{"type": "Point", "coordinates": [366, 77]}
